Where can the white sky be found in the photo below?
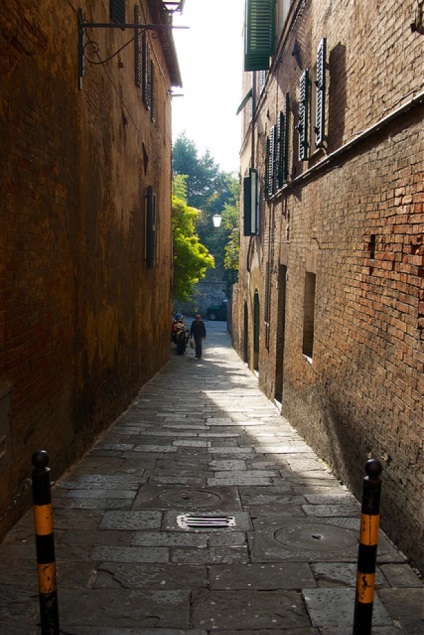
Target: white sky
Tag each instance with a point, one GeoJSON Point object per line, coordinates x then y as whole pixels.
{"type": "Point", "coordinates": [210, 57]}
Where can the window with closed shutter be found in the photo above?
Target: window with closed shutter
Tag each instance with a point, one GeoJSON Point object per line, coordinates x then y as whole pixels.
{"type": "Point", "coordinates": [152, 92]}
{"type": "Point", "coordinates": [138, 50]}
{"type": "Point", "coordinates": [303, 116]}
{"type": "Point", "coordinates": [320, 86]}
{"type": "Point", "coordinates": [259, 34]}
{"type": "Point", "coordinates": [147, 72]}
{"type": "Point", "coordinates": [117, 11]}
{"type": "Point", "coordinates": [267, 167]}
{"type": "Point", "coordinates": [250, 204]}
{"type": "Point", "coordinates": [281, 128]}
{"type": "Point", "coordinates": [271, 163]}
{"type": "Point", "coordinates": [286, 140]}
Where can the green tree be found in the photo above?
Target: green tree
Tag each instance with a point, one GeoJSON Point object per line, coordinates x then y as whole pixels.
{"type": "Point", "coordinates": [212, 191]}
{"type": "Point", "coordinates": [191, 258]}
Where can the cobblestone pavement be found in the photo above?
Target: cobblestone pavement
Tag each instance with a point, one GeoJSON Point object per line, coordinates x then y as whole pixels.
{"type": "Point", "coordinates": [202, 440]}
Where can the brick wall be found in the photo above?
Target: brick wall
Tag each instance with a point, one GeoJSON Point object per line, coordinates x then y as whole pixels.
{"type": "Point", "coordinates": [352, 215]}
{"type": "Point", "coordinates": [83, 322]}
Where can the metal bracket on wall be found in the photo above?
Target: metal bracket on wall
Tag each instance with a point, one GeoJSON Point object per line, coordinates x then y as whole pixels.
{"type": "Point", "coordinates": [84, 24]}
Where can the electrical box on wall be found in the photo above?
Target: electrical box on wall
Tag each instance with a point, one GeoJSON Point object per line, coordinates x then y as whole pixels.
{"type": "Point", "coordinates": [5, 425]}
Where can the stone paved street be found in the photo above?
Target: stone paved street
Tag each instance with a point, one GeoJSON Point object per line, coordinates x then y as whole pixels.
{"type": "Point", "coordinates": [202, 440]}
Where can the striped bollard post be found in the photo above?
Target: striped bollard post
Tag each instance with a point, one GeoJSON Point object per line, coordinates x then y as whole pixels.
{"type": "Point", "coordinates": [367, 552]}
{"type": "Point", "coordinates": [44, 542]}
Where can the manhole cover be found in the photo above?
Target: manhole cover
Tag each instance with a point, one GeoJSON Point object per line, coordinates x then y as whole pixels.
{"type": "Point", "coordinates": [316, 537]}
{"type": "Point", "coordinates": [203, 521]}
{"type": "Point", "coordinates": [194, 497]}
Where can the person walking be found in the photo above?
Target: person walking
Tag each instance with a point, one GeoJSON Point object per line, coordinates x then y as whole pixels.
{"type": "Point", "coordinates": [198, 331]}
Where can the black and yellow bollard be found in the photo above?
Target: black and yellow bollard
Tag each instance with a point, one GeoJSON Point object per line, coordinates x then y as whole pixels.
{"type": "Point", "coordinates": [367, 553]}
{"type": "Point", "coordinates": [44, 541]}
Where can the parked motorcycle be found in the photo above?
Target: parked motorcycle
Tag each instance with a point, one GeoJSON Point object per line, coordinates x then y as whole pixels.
{"type": "Point", "coordinates": [180, 334]}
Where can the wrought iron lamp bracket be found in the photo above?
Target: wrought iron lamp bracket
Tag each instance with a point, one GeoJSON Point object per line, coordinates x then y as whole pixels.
{"type": "Point", "coordinates": [84, 24]}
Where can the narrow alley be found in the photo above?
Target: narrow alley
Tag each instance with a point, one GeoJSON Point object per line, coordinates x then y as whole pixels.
{"type": "Point", "coordinates": [201, 444]}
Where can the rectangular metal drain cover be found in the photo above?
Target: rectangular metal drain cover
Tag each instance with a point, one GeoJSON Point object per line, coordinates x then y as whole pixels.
{"type": "Point", "coordinates": [199, 521]}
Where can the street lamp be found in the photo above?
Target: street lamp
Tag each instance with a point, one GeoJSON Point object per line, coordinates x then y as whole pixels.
{"type": "Point", "coordinates": [216, 219]}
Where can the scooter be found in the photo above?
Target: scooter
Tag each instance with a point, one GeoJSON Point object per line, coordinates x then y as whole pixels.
{"type": "Point", "coordinates": [182, 337]}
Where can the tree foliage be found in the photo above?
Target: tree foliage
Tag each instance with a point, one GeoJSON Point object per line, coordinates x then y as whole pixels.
{"type": "Point", "coordinates": [212, 191]}
{"type": "Point", "coordinates": [191, 258]}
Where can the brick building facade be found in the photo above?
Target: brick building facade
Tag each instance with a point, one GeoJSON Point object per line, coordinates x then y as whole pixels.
{"type": "Point", "coordinates": [85, 231]}
{"type": "Point", "coordinates": [329, 308]}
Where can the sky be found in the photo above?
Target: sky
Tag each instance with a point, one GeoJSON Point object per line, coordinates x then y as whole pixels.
{"type": "Point", "coordinates": [210, 57]}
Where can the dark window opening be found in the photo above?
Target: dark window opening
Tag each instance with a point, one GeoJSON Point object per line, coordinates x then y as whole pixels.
{"type": "Point", "coordinates": [309, 315]}
{"type": "Point", "coordinates": [117, 11]}
{"type": "Point", "coordinates": [151, 223]}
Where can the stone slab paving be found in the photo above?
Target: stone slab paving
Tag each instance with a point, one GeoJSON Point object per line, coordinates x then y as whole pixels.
{"type": "Point", "coordinates": [201, 443]}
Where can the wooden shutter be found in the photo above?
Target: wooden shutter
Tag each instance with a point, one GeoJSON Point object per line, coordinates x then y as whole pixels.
{"type": "Point", "coordinates": [152, 92]}
{"type": "Point", "coordinates": [259, 34]}
{"type": "Point", "coordinates": [250, 203]}
{"type": "Point", "coordinates": [274, 152]}
{"type": "Point", "coordinates": [270, 168]}
{"type": "Point", "coordinates": [320, 86]}
{"type": "Point", "coordinates": [138, 50]}
{"type": "Point", "coordinates": [117, 11]}
{"type": "Point", "coordinates": [281, 129]}
{"type": "Point", "coordinates": [303, 116]}
{"type": "Point", "coordinates": [147, 72]}
{"type": "Point", "coordinates": [286, 140]}
{"type": "Point", "coordinates": [267, 167]}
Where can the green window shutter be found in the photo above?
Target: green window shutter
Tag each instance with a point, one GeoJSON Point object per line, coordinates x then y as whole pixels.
{"type": "Point", "coordinates": [259, 34]}
{"type": "Point", "coordinates": [303, 116]}
{"type": "Point", "coordinates": [250, 203]}
{"type": "Point", "coordinates": [320, 86]}
{"type": "Point", "coordinates": [150, 227]}
{"type": "Point", "coordinates": [138, 48]}
{"type": "Point", "coordinates": [281, 128]}
{"type": "Point", "coordinates": [117, 11]}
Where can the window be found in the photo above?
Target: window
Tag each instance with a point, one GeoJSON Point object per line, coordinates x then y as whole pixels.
{"type": "Point", "coordinates": [312, 89]}
{"type": "Point", "coordinates": [251, 203]}
{"type": "Point", "coordinates": [150, 227]}
{"type": "Point", "coordinates": [271, 163]}
{"type": "Point", "coordinates": [320, 87]}
{"type": "Point", "coordinates": [277, 154]}
{"type": "Point", "coordinates": [152, 92]}
{"type": "Point", "coordinates": [259, 34]}
{"type": "Point", "coordinates": [309, 315]}
{"type": "Point", "coordinates": [147, 72]}
{"type": "Point", "coordinates": [138, 50]}
{"type": "Point", "coordinates": [117, 11]}
{"type": "Point", "coordinates": [303, 124]}
{"type": "Point", "coordinates": [261, 81]}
